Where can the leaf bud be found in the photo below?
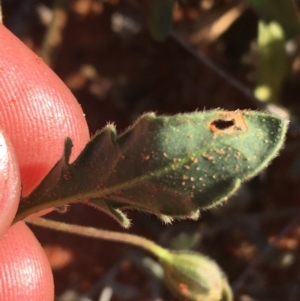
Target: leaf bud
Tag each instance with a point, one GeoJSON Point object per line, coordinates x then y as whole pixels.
{"type": "Point", "coordinates": [195, 277]}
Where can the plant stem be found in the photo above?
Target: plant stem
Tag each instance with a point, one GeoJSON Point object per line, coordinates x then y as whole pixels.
{"type": "Point", "coordinates": [132, 239]}
{"type": "Point", "coordinates": [53, 37]}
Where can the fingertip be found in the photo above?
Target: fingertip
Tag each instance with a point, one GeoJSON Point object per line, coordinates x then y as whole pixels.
{"type": "Point", "coordinates": [37, 111]}
{"type": "Point", "coordinates": [9, 183]}
{"type": "Point", "coordinates": [25, 273]}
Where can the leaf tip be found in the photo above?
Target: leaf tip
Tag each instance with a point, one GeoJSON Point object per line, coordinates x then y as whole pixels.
{"type": "Point", "coordinates": [195, 215]}
{"type": "Point", "coordinates": [117, 214]}
{"type": "Point", "coordinates": [166, 219]}
{"type": "Point", "coordinates": [68, 149]}
{"type": "Point", "coordinates": [62, 208]}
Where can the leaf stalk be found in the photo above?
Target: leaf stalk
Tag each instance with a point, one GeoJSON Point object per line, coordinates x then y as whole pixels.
{"type": "Point", "coordinates": [91, 232]}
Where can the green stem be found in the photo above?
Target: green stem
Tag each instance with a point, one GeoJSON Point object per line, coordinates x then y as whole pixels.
{"type": "Point", "coordinates": [132, 239]}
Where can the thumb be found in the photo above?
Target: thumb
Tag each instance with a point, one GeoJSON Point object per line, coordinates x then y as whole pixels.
{"type": "Point", "coordinates": [9, 183]}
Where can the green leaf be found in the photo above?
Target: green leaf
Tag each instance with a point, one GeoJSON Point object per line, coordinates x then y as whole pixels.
{"type": "Point", "coordinates": [161, 18]}
{"type": "Point", "coordinates": [169, 166]}
{"type": "Point", "coordinates": [272, 62]}
{"type": "Point", "coordinates": [282, 11]}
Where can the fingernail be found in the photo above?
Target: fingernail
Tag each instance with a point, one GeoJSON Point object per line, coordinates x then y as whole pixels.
{"type": "Point", "coordinates": [10, 186]}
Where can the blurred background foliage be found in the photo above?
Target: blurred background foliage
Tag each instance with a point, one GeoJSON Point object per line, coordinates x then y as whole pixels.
{"type": "Point", "coordinates": [122, 58]}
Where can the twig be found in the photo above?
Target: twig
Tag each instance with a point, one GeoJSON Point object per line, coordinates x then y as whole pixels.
{"type": "Point", "coordinates": [223, 74]}
{"type": "Point", "coordinates": [53, 37]}
{"type": "Point", "coordinates": [213, 30]}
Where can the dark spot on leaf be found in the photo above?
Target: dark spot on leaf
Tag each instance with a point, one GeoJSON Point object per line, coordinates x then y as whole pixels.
{"type": "Point", "coordinates": [221, 124]}
{"type": "Point", "coordinates": [228, 122]}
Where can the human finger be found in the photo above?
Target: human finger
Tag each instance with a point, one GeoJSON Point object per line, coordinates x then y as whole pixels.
{"type": "Point", "coordinates": [10, 186]}
{"type": "Point", "coordinates": [38, 112]}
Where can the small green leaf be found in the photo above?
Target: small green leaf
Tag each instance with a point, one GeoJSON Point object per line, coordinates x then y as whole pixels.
{"type": "Point", "coordinates": [161, 18]}
{"type": "Point", "coordinates": [272, 62]}
{"type": "Point", "coordinates": [169, 166]}
{"type": "Point", "coordinates": [282, 11]}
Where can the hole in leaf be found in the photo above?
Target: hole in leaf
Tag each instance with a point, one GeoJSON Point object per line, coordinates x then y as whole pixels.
{"type": "Point", "coordinates": [222, 124]}
{"type": "Point", "coordinates": [228, 122]}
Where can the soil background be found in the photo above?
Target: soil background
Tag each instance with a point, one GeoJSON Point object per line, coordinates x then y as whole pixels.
{"type": "Point", "coordinates": [117, 71]}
